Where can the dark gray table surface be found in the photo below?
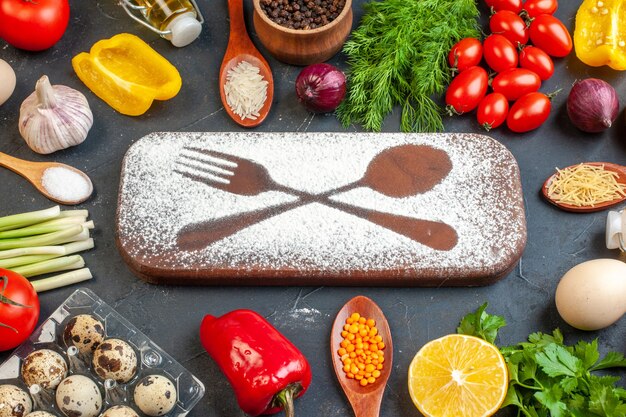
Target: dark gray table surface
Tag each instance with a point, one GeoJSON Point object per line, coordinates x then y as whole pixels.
{"type": "Point", "coordinates": [171, 315]}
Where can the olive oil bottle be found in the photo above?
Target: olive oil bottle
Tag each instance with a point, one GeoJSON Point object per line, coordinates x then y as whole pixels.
{"type": "Point", "coordinates": [178, 21]}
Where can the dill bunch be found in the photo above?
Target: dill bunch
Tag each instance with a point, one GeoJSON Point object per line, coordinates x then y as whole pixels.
{"type": "Point", "coordinates": [398, 56]}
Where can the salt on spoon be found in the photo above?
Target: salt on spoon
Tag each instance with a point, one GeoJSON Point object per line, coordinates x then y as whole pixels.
{"type": "Point", "coordinates": [59, 182]}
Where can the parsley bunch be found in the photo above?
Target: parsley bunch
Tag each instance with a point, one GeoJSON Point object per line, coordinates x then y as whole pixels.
{"type": "Point", "coordinates": [549, 378]}
{"type": "Point", "coordinates": [398, 56]}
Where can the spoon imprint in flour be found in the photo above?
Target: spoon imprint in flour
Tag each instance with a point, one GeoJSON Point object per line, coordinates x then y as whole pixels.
{"type": "Point", "coordinates": [366, 400]}
{"type": "Point", "coordinates": [37, 173]}
{"type": "Point", "coordinates": [400, 171]}
{"type": "Point", "coordinates": [621, 178]}
{"type": "Point", "coordinates": [240, 48]}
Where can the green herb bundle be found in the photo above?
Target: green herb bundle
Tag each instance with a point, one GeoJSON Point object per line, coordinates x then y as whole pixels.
{"type": "Point", "coordinates": [398, 56]}
{"type": "Point", "coordinates": [549, 378]}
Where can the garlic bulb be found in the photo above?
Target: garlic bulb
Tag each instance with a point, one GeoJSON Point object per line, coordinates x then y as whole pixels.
{"type": "Point", "coordinates": [54, 117]}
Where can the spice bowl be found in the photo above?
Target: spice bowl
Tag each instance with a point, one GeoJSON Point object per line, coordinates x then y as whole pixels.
{"type": "Point", "coordinates": [302, 46]}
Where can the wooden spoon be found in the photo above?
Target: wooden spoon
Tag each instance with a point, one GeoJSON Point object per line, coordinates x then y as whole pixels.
{"type": "Point", "coordinates": [621, 178]}
{"type": "Point", "coordinates": [366, 400]}
{"type": "Point", "coordinates": [34, 171]}
{"type": "Point", "coordinates": [240, 48]}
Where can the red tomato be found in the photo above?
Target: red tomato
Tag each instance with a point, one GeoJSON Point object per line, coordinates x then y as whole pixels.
{"type": "Point", "coordinates": [550, 34]}
{"type": "Point", "coordinates": [536, 60]}
{"type": "Point", "coordinates": [465, 53]}
{"type": "Point", "coordinates": [500, 53]}
{"type": "Point", "coordinates": [492, 111]}
{"type": "Point", "coordinates": [515, 82]}
{"type": "Point", "coordinates": [536, 7]}
{"type": "Point", "coordinates": [513, 5]}
{"type": "Point", "coordinates": [509, 25]}
{"type": "Point", "coordinates": [33, 25]}
{"type": "Point", "coordinates": [467, 90]}
{"type": "Point", "coordinates": [17, 322]}
{"type": "Point", "coordinates": [528, 112]}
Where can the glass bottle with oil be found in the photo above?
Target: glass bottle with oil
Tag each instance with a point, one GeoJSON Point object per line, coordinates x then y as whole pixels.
{"type": "Point", "coordinates": [178, 21]}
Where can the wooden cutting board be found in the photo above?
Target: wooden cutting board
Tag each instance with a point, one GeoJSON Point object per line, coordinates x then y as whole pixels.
{"type": "Point", "coordinates": [320, 209]}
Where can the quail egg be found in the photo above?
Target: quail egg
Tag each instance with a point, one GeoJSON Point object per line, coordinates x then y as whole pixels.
{"type": "Point", "coordinates": [119, 411]}
{"type": "Point", "coordinates": [85, 332]}
{"type": "Point", "coordinates": [40, 413]}
{"type": "Point", "coordinates": [115, 359]}
{"type": "Point", "coordinates": [79, 396]}
{"type": "Point", "coordinates": [155, 395]}
{"type": "Point", "coordinates": [44, 367]}
{"type": "Point", "coordinates": [14, 401]}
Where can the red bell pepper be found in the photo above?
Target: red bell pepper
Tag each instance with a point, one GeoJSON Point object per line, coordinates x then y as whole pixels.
{"type": "Point", "coordinates": [264, 368]}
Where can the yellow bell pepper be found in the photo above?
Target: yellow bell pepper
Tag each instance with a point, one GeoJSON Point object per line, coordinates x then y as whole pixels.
{"type": "Point", "coordinates": [600, 34]}
{"type": "Point", "coordinates": [127, 74]}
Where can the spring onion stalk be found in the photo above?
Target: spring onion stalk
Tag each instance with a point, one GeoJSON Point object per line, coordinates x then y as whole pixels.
{"type": "Point", "coordinates": [64, 220]}
{"type": "Point", "coordinates": [34, 230]}
{"type": "Point", "coordinates": [35, 250]}
{"type": "Point", "coordinates": [54, 238]}
{"type": "Point", "coordinates": [50, 266]}
{"type": "Point", "coordinates": [25, 219]}
{"type": "Point", "coordinates": [67, 249]}
{"type": "Point", "coordinates": [72, 213]}
{"type": "Point", "coordinates": [62, 280]}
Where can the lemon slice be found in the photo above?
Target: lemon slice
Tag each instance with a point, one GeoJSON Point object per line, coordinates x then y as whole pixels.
{"type": "Point", "coordinates": [458, 376]}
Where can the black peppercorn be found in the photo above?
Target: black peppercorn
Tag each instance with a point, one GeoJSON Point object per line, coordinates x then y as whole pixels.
{"type": "Point", "coordinates": [302, 14]}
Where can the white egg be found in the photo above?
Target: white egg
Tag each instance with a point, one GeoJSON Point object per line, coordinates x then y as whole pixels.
{"type": "Point", "coordinates": [7, 81]}
{"type": "Point", "coordinates": [592, 295]}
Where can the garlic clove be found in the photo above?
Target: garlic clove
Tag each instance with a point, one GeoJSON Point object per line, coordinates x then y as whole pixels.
{"type": "Point", "coordinates": [54, 117]}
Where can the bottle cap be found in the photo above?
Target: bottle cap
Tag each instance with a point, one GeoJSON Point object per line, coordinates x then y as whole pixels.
{"type": "Point", "coordinates": [185, 29]}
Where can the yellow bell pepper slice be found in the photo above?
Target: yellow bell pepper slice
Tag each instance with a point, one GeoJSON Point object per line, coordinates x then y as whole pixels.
{"type": "Point", "coordinates": [600, 34]}
{"type": "Point", "coordinates": [127, 74]}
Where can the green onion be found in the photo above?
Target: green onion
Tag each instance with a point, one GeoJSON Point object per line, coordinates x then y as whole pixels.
{"type": "Point", "coordinates": [63, 236]}
{"type": "Point", "coordinates": [67, 249]}
{"type": "Point", "coordinates": [25, 219]}
{"type": "Point", "coordinates": [50, 266]}
{"type": "Point", "coordinates": [62, 280]}
{"type": "Point", "coordinates": [35, 250]}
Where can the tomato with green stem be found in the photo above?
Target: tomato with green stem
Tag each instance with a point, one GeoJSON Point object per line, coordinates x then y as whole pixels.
{"type": "Point", "coordinates": [534, 8]}
{"type": "Point", "coordinates": [19, 309]}
{"type": "Point", "coordinates": [33, 25]}
{"type": "Point", "coordinates": [466, 90]}
{"type": "Point", "coordinates": [492, 111]}
{"type": "Point", "coordinates": [529, 112]}
{"type": "Point", "coordinates": [536, 60]}
{"type": "Point", "coordinates": [509, 25]}
{"type": "Point", "coordinates": [464, 54]}
{"type": "Point", "coordinates": [515, 82]}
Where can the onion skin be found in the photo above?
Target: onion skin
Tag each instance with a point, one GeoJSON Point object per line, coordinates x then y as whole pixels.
{"type": "Point", "coordinates": [321, 88]}
{"type": "Point", "coordinates": [592, 105]}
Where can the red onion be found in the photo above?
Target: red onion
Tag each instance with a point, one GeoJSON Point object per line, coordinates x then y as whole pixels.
{"type": "Point", "coordinates": [321, 87]}
{"type": "Point", "coordinates": [592, 105]}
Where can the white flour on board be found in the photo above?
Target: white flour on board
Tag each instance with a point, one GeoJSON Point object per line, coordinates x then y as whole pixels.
{"type": "Point", "coordinates": [476, 199]}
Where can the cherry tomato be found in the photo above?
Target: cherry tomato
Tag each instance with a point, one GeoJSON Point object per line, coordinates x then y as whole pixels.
{"type": "Point", "coordinates": [515, 82]}
{"type": "Point", "coordinates": [465, 53]}
{"type": "Point", "coordinates": [19, 309]}
{"type": "Point", "coordinates": [509, 25]}
{"type": "Point", "coordinates": [513, 5]}
{"type": "Point", "coordinates": [536, 7]}
{"type": "Point", "coordinates": [550, 34]}
{"type": "Point", "coordinates": [536, 60]}
{"type": "Point", "coordinates": [528, 112]}
{"type": "Point", "coordinates": [500, 53]}
{"type": "Point", "coordinates": [467, 90]}
{"type": "Point", "coordinates": [33, 25]}
{"type": "Point", "coordinates": [492, 111]}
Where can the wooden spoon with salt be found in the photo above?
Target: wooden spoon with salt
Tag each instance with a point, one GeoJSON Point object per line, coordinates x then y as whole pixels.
{"type": "Point", "coordinates": [240, 48]}
{"type": "Point", "coordinates": [620, 172]}
{"type": "Point", "coordinates": [366, 400]}
{"type": "Point", "coordinates": [34, 173]}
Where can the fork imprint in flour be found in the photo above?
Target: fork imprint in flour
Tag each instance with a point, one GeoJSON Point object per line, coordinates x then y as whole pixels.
{"type": "Point", "coordinates": [417, 169]}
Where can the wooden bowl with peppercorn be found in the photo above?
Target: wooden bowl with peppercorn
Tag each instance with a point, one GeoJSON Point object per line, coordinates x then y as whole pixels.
{"type": "Point", "coordinates": [302, 32]}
